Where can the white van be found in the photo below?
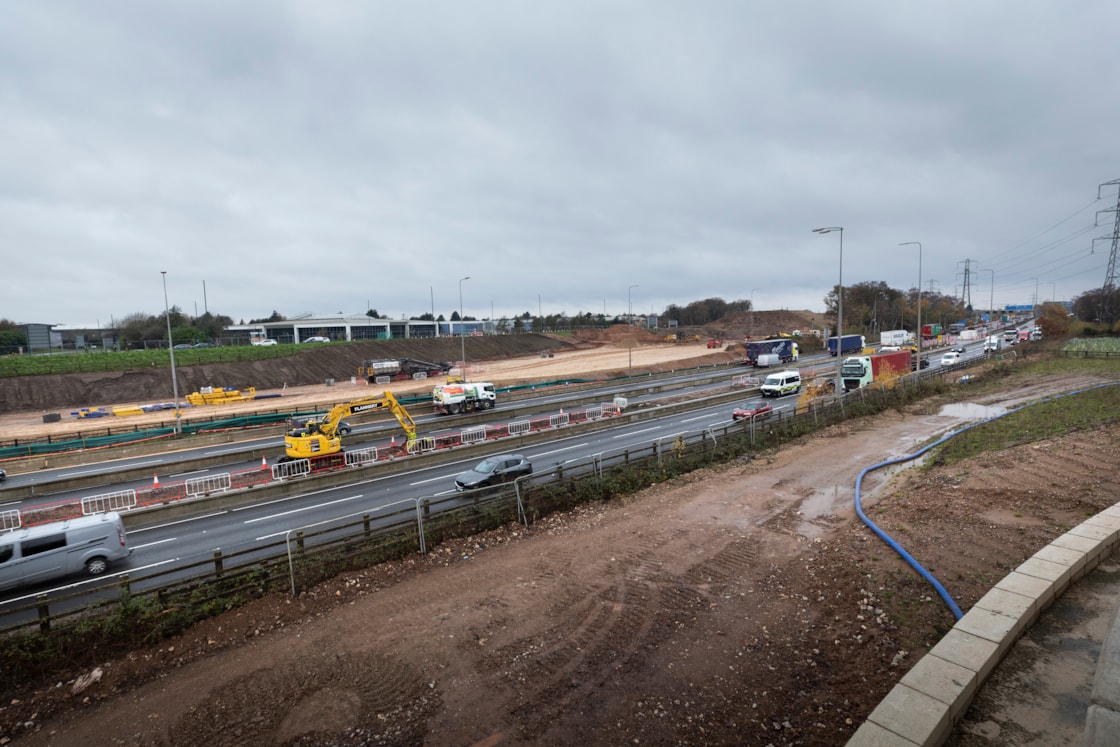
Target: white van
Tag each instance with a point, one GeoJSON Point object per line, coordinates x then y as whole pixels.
{"type": "Point", "coordinates": [34, 554]}
{"type": "Point", "coordinates": [780, 384]}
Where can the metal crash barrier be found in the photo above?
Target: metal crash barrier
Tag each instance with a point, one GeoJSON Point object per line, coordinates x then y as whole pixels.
{"type": "Point", "coordinates": [163, 494]}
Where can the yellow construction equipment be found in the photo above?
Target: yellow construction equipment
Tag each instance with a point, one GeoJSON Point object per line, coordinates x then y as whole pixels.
{"type": "Point", "coordinates": [319, 438]}
{"type": "Point", "coordinates": [224, 395]}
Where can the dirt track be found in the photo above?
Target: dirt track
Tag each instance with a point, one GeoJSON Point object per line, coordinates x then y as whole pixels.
{"type": "Point", "coordinates": [740, 605]}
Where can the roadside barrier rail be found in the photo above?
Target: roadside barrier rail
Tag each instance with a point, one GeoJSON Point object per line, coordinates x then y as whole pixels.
{"type": "Point", "coordinates": [170, 492]}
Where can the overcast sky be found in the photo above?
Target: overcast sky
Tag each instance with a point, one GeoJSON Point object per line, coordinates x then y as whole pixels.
{"type": "Point", "coordinates": [320, 156]}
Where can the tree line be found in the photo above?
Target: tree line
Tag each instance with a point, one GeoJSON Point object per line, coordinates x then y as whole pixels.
{"type": "Point", "coordinates": [869, 307]}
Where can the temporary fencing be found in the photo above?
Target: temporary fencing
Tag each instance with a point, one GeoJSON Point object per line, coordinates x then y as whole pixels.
{"type": "Point", "coordinates": [166, 492]}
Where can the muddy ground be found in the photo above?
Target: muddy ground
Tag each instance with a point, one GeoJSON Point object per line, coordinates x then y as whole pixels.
{"type": "Point", "coordinates": [743, 604]}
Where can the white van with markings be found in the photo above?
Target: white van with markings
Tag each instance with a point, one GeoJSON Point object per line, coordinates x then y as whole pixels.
{"type": "Point", "coordinates": [35, 554]}
{"type": "Point", "coordinates": [780, 384]}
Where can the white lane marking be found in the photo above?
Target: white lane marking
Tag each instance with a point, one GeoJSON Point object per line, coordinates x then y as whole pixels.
{"type": "Point", "coordinates": [301, 510]}
{"type": "Point", "coordinates": [108, 468]}
{"type": "Point", "coordinates": [192, 472]}
{"type": "Point", "coordinates": [153, 544]}
{"type": "Point", "coordinates": [435, 479]}
{"type": "Point", "coordinates": [230, 450]}
{"type": "Point", "coordinates": [173, 523]}
{"type": "Point", "coordinates": [557, 451]}
{"type": "Point", "coordinates": [628, 434]}
{"type": "Point", "coordinates": [704, 417]}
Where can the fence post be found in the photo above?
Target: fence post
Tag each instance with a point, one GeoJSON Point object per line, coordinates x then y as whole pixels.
{"type": "Point", "coordinates": [366, 524]}
{"type": "Point", "coordinates": [44, 615]}
{"type": "Point", "coordinates": [125, 585]}
{"type": "Point", "coordinates": [217, 562]}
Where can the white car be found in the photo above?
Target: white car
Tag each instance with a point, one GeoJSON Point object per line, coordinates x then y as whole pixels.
{"type": "Point", "coordinates": [951, 358]}
{"type": "Point", "coordinates": [318, 339]}
{"type": "Point", "coordinates": [264, 342]}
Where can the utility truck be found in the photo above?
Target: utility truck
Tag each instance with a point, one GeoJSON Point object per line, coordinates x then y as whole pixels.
{"type": "Point", "coordinates": [848, 344]}
{"type": "Point", "coordinates": [320, 439]}
{"type": "Point", "coordinates": [452, 399]}
{"type": "Point", "coordinates": [862, 370]}
{"type": "Point", "coordinates": [782, 347]}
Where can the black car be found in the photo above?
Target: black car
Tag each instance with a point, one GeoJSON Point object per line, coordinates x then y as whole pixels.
{"type": "Point", "coordinates": [3, 475]}
{"type": "Point", "coordinates": [959, 349]}
{"type": "Point", "coordinates": [494, 471]}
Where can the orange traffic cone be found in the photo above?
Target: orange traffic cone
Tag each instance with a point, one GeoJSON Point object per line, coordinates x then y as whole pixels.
{"type": "Point", "coordinates": [392, 442]}
{"type": "Point", "coordinates": [264, 463]}
{"type": "Point", "coordinates": [155, 481]}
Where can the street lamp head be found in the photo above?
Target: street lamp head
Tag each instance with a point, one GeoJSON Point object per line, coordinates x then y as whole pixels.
{"type": "Point", "coordinates": [828, 229]}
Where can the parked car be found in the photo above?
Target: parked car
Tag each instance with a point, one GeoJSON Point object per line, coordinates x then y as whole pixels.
{"type": "Point", "coordinates": [752, 410]}
{"type": "Point", "coordinates": [494, 471]}
{"type": "Point", "coordinates": [183, 346]}
{"type": "Point", "coordinates": [318, 338]}
{"type": "Point", "coordinates": [265, 342]}
{"type": "Point", "coordinates": [204, 345]}
{"type": "Point", "coordinates": [951, 358]}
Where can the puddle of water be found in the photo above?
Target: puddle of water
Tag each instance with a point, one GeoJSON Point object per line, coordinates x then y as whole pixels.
{"type": "Point", "coordinates": [971, 411]}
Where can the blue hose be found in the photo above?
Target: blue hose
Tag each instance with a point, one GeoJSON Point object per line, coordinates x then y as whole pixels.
{"type": "Point", "coordinates": [897, 547]}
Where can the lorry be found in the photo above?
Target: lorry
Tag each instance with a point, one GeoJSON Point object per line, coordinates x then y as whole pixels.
{"type": "Point", "coordinates": [931, 330]}
{"type": "Point", "coordinates": [400, 369]}
{"type": "Point", "coordinates": [993, 344]}
{"type": "Point", "coordinates": [861, 370]}
{"type": "Point", "coordinates": [848, 344]}
{"type": "Point", "coordinates": [894, 338]}
{"type": "Point", "coordinates": [783, 347]}
{"type": "Point", "coordinates": [319, 440]}
{"type": "Point", "coordinates": [452, 399]}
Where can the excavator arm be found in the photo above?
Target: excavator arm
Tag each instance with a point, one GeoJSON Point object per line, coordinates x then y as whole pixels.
{"type": "Point", "coordinates": [319, 437]}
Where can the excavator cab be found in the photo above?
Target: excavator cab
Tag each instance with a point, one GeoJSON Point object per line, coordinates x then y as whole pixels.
{"type": "Point", "coordinates": [322, 436]}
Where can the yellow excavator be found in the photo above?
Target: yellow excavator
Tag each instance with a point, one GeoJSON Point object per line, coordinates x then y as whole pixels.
{"type": "Point", "coordinates": [320, 437]}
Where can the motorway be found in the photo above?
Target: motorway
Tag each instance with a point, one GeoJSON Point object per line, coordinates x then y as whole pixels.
{"type": "Point", "coordinates": [161, 545]}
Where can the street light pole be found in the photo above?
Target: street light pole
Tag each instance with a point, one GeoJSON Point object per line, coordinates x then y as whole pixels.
{"type": "Point", "coordinates": [919, 335]}
{"type": "Point", "coordinates": [839, 306]}
{"type": "Point", "coordinates": [171, 349]}
{"type": "Point", "coordinates": [462, 330]}
{"type": "Point", "coordinates": [630, 323]}
{"type": "Point", "coordinates": [991, 299]}
{"type": "Point", "coordinates": [1034, 301]}
{"type": "Point", "coordinates": [752, 311]}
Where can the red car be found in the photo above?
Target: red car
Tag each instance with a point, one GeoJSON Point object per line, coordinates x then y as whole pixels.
{"type": "Point", "coordinates": [752, 410]}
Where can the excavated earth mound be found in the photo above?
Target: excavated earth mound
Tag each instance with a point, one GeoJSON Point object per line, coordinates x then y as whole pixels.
{"type": "Point", "coordinates": [311, 366]}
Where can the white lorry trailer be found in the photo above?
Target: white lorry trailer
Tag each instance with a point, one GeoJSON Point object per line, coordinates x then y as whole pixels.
{"type": "Point", "coordinates": [894, 338]}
